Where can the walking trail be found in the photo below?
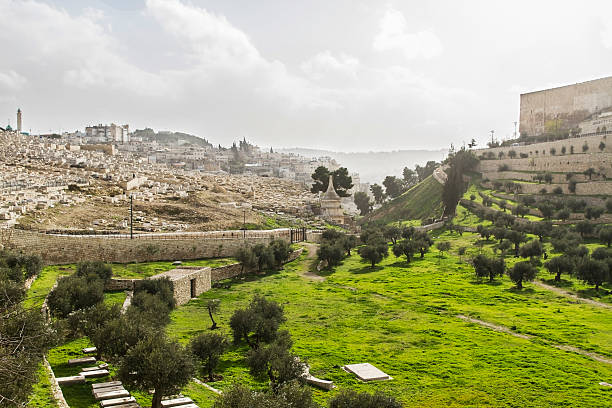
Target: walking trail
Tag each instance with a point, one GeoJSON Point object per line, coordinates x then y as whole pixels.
{"type": "Point", "coordinates": [503, 329]}
{"type": "Point", "coordinates": [306, 263]}
{"type": "Point", "coordinates": [571, 295]}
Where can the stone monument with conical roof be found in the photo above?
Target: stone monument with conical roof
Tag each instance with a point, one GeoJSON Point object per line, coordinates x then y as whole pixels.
{"type": "Point", "coordinates": [331, 204]}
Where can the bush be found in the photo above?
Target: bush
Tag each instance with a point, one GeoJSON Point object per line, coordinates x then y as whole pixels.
{"type": "Point", "coordinates": [557, 190]}
{"type": "Point", "coordinates": [286, 396]}
{"type": "Point", "coordinates": [353, 399]}
{"type": "Point", "coordinates": [95, 268]}
{"type": "Point", "coordinates": [161, 287]}
{"type": "Point", "coordinates": [333, 254]}
{"type": "Point", "coordinates": [209, 347]}
{"type": "Point", "coordinates": [488, 267]}
{"type": "Point", "coordinates": [75, 293]}
{"type": "Point", "coordinates": [374, 251]}
{"type": "Point", "coordinates": [503, 167]}
{"type": "Point", "coordinates": [258, 323]}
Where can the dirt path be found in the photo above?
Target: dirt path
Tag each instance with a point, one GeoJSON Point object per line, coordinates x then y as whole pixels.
{"type": "Point", "coordinates": [306, 263]}
{"type": "Point", "coordinates": [503, 329]}
{"type": "Point", "coordinates": [571, 295]}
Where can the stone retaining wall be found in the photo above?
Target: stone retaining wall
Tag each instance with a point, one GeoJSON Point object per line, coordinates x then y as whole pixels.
{"type": "Point", "coordinates": [574, 163]}
{"type": "Point", "coordinates": [591, 141]}
{"type": "Point", "coordinates": [63, 249]}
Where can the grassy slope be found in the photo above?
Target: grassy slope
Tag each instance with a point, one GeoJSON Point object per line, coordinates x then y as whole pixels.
{"type": "Point", "coordinates": [401, 318]}
{"type": "Point", "coordinates": [422, 201]}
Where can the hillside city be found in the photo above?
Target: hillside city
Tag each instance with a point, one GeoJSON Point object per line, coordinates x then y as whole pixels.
{"type": "Point", "coordinates": [196, 268]}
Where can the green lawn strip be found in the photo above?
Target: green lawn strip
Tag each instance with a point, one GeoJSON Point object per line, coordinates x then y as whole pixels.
{"type": "Point", "coordinates": [148, 269]}
{"type": "Point", "coordinates": [114, 298]}
{"type": "Point", "coordinates": [44, 282]}
{"type": "Point", "coordinates": [403, 321]}
{"type": "Point", "coordinates": [203, 397]}
{"type": "Point", "coordinates": [42, 393]}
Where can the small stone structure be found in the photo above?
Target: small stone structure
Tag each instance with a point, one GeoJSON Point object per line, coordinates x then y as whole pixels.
{"type": "Point", "coordinates": [331, 204]}
{"type": "Point", "coordinates": [188, 282]}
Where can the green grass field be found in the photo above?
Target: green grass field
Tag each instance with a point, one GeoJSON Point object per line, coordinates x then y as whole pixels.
{"type": "Point", "coordinates": [402, 318]}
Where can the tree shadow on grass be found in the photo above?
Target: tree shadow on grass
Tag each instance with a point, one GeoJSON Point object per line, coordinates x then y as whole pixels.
{"type": "Point", "coordinates": [494, 282]}
{"type": "Point", "coordinates": [563, 283]}
{"type": "Point", "coordinates": [592, 293]}
{"type": "Point", "coordinates": [367, 269]}
{"type": "Point", "coordinates": [524, 291]}
{"type": "Point", "coordinates": [401, 264]}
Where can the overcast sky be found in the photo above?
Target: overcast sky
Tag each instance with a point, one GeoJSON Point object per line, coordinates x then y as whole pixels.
{"type": "Point", "coordinates": [343, 75]}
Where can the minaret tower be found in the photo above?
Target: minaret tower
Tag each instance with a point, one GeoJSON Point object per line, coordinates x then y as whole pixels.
{"type": "Point", "coordinates": [18, 120]}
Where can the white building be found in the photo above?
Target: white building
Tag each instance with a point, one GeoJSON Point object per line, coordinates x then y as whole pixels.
{"type": "Point", "coordinates": [108, 133]}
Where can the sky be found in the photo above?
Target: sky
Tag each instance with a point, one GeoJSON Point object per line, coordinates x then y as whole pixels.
{"type": "Point", "coordinates": [340, 75]}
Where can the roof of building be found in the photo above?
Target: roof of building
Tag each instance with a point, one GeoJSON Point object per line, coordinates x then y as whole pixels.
{"type": "Point", "coordinates": [330, 194]}
{"type": "Point", "coordinates": [178, 273]}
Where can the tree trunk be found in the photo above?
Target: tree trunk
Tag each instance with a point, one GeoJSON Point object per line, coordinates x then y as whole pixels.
{"type": "Point", "coordinates": [516, 250]}
{"type": "Point", "coordinates": [214, 324]}
{"type": "Point", "coordinates": [519, 284]}
{"type": "Point", "coordinates": [558, 277]}
{"type": "Point", "coordinates": [156, 402]}
{"type": "Point", "coordinates": [373, 264]}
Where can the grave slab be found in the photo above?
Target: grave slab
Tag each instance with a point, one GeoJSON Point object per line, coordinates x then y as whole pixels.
{"type": "Point", "coordinates": [105, 384]}
{"type": "Point", "coordinates": [191, 405]}
{"type": "Point", "coordinates": [367, 372]}
{"type": "Point", "coordinates": [89, 350]}
{"type": "Point", "coordinates": [94, 373]}
{"type": "Point", "coordinates": [75, 379]}
{"type": "Point", "coordinates": [104, 395]}
{"type": "Point", "coordinates": [129, 405]}
{"type": "Point", "coordinates": [116, 401]}
{"type": "Point", "coordinates": [94, 368]}
{"type": "Point", "coordinates": [82, 360]}
{"type": "Point", "coordinates": [175, 402]}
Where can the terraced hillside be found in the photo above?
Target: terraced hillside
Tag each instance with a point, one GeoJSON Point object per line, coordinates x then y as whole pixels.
{"type": "Point", "coordinates": [420, 202]}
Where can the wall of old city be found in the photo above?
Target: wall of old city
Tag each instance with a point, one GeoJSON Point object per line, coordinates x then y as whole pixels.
{"type": "Point", "coordinates": [569, 104]}
{"type": "Point", "coordinates": [62, 249]}
{"type": "Point", "coordinates": [575, 163]}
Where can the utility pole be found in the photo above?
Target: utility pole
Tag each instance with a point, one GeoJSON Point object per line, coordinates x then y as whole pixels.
{"type": "Point", "coordinates": [515, 129]}
{"type": "Point", "coordinates": [244, 223]}
{"type": "Point", "coordinates": [492, 132]}
{"type": "Point", "coordinates": [131, 216]}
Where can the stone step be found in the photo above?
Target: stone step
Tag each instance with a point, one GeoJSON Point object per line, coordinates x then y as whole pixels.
{"type": "Point", "coordinates": [82, 360]}
{"type": "Point", "coordinates": [175, 402]}
{"type": "Point", "coordinates": [95, 386]}
{"type": "Point", "coordinates": [116, 401]}
{"type": "Point", "coordinates": [94, 373]}
{"type": "Point", "coordinates": [75, 379]}
{"type": "Point", "coordinates": [104, 395]}
{"type": "Point", "coordinates": [89, 350]}
{"type": "Point", "coordinates": [191, 405]}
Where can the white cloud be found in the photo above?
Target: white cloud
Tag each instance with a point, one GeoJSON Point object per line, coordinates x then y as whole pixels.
{"type": "Point", "coordinates": [393, 35]}
{"type": "Point", "coordinates": [325, 65]}
{"type": "Point", "coordinates": [210, 37]}
{"type": "Point", "coordinates": [11, 80]}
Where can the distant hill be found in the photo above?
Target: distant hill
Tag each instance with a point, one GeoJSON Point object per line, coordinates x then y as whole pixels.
{"type": "Point", "coordinates": [165, 137]}
{"type": "Point", "coordinates": [373, 167]}
{"type": "Point", "coordinates": [420, 202]}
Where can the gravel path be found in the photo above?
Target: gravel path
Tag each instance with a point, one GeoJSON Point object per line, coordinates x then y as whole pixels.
{"type": "Point", "coordinates": [571, 295]}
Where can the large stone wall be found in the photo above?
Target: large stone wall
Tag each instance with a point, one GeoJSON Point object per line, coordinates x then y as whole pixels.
{"type": "Point", "coordinates": [569, 105]}
{"type": "Point", "coordinates": [576, 163]}
{"type": "Point", "coordinates": [63, 249]}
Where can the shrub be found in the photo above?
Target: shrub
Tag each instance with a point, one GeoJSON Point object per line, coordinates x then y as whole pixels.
{"type": "Point", "coordinates": [209, 347]}
{"type": "Point", "coordinates": [258, 323]}
{"type": "Point", "coordinates": [163, 288]}
{"type": "Point", "coordinates": [563, 150]}
{"type": "Point", "coordinates": [353, 399]}
{"type": "Point", "coordinates": [488, 267]}
{"type": "Point", "coordinates": [523, 155]}
{"type": "Point", "coordinates": [557, 190]}
{"type": "Point", "coordinates": [75, 293]}
{"type": "Point", "coordinates": [585, 147]}
{"type": "Point", "coordinates": [503, 167]}
{"type": "Point", "coordinates": [602, 146]}
{"type": "Point", "coordinates": [330, 253]}
{"type": "Point", "coordinates": [95, 268]}
{"type": "Point", "coordinates": [593, 213]}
